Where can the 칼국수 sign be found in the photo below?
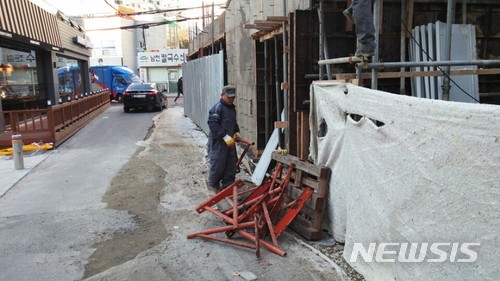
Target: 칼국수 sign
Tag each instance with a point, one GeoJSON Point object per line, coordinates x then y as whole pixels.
{"type": "Point", "coordinates": [168, 57]}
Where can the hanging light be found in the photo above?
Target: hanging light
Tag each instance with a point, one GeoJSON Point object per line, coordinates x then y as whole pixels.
{"type": "Point", "coordinates": [7, 68]}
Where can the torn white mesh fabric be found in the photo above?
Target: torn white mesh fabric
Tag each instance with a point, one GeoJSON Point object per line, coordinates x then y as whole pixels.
{"type": "Point", "coordinates": [406, 169]}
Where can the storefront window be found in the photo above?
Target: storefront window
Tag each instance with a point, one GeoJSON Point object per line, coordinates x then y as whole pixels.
{"type": "Point", "coordinates": [69, 73]}
{"type": "Point", "coordinates": [20, 85]}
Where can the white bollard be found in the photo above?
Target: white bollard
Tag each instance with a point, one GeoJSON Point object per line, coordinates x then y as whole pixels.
{"type": "Point", "coordinates": [17, 151]}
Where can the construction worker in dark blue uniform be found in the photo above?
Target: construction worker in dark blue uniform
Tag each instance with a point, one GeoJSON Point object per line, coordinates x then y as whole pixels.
{"type": "Point", "coordinates": [224, 133]}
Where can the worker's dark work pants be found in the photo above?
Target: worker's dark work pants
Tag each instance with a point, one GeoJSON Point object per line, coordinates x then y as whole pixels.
{"type": "Point", "coordinates": [363, 19]}
{"type": "Point", "coordinates": [222, 163]}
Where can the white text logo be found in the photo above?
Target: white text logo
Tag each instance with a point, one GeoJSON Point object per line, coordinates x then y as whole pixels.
{"type": "Point", "coordinates": [415, 252]}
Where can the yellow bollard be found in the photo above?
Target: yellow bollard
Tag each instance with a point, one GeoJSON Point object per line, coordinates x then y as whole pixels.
{"type": "Point", "coordinates": [17, 151]}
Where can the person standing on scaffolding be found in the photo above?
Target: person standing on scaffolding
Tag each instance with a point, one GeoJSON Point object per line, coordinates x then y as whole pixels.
{"type": "Point", "coordinates": [360, 13]}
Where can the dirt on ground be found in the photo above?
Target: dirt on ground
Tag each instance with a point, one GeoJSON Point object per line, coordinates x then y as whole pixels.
{"type": "Point", "coordinates": [135, 189]}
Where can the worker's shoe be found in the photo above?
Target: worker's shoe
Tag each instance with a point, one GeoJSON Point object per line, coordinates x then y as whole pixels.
{"type": "Point", "coordinates": [361, 52]}
{"type": "Point", "coordinates": [348, 14]}
{"type": "Point", "coordinates": [211, 187]}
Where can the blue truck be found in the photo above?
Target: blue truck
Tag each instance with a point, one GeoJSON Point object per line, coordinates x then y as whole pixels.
{"type": "Point", "coordinates": [115, 77]}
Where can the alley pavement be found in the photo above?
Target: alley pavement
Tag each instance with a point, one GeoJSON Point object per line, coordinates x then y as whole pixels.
{"type": "Point", "coordinates": [9, 175]}
{"type": "Point", "coordinates": [54, 212]}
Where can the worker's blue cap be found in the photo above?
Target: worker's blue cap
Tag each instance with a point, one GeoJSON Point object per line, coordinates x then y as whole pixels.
{"type": "Point", "coordinates": [229, 91]}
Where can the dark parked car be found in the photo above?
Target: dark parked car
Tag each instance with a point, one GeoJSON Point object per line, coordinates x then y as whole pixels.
{"type": "Point", "coordinates": [143, 95]}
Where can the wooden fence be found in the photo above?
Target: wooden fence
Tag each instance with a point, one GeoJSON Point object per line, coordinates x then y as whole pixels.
{"type": "Point", "coordinates": [54, 124]}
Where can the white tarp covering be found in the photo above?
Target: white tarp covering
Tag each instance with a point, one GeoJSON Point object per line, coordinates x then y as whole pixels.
{"type": "Point", "coordinates": [410, 170]}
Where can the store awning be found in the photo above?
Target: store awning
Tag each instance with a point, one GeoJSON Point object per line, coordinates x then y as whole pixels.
{"type": "Point", "coordinates": [26, 22]}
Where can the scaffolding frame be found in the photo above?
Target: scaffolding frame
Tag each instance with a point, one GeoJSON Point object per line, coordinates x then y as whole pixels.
{"type": "Point", "coordinates": [375, 64]}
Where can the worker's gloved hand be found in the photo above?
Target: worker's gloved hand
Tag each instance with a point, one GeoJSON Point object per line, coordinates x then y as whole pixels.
{"type": "Point", "coordinates": [229, 141]}
{"type": "Point", "coordinates": [237, 137]}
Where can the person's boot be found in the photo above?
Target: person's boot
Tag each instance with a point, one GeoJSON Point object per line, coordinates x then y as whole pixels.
{"type": "Point", "coordinates": [211, 187]}
{"type": "Point", "coordinates": [366, 50]}
{"type": "Point", "coordinates": [360, 52]}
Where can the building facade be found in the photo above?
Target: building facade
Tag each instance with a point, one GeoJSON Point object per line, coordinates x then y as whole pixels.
{"type": "Point", "coordinates": [162, 67]}
{"type": "Point", "coordinates": [135, 38]}
{"type": "Point", "coordinates": [41, 59]}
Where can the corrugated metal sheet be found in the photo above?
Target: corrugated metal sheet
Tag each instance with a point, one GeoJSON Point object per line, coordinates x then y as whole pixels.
{"type": "Point", "coordinates": [30, 22]}
{"type": "Point", "coordinates": [464, 88]}
{"type": "Point", "coordinates": [429, 46]}
{"type": "Point", "coordinates": [203, 80]}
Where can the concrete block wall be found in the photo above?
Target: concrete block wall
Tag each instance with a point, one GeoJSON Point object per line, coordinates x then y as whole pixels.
{"type": "Point", "coordinates": [241, 58]}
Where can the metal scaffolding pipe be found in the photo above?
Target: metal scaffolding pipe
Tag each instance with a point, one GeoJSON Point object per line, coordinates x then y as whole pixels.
{"type": "Point", "coordinates": [285, 75]}
{"type": "Point", "coordinates": [352, 59]}
{"type": "Point", "coordinates": [407, 64]}
{"type": "Point", "coordinates": [376, 22]}
{"type": "Point", "coordinates": [266, 94]}
{"type": "Point", "coordinates": [402, 84]}
{"type": "Point", "coordinates": [277, 85]}
{"type": "Point", "coordinates": [323, 44]}
{"type": "Point", "coordinates": [447, 47]}
{"type": "Point", "coordinates": [213, 27]}
{"type": "Point", "coordinates": [430, 63]}
{"type": "Point", "coordinates": [359, 71]}
{"type": "Point", "coordinates": [464, 12]}
{"type": "Point", "coordinates": [321, 53]}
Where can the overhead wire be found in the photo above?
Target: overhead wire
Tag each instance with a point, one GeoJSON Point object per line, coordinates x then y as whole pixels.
{"type": "Point", "coordinates": [143, 25]}
{"type": "Point", "coordinates": [113, 7]}
{"type": "Point", "coordinates": [150, 24]}
{"type": "Point", "coordinates": [157, 11]}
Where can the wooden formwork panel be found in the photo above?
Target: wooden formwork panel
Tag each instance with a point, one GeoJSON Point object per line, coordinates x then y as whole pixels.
{"type": "Point", "coordinates": [309, 221]}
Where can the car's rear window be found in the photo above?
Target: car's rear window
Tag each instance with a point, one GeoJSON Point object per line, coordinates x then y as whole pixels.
{"type": "Point", "coordinates": [141, 87]}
